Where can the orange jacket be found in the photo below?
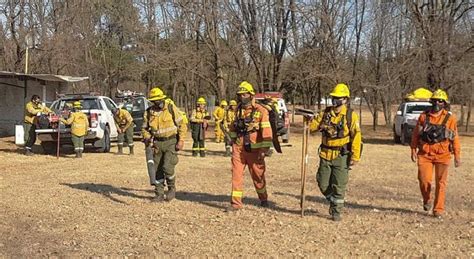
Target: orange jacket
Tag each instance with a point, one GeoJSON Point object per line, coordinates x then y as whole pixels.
{"type": "Point", "coordinates": [437, 150]}
{"type": "Point", "coordinates": [260, 130]}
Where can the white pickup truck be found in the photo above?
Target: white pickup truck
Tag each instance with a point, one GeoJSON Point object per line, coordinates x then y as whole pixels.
{"type": "Point", "coordinates": [102, 128]}
{"type": "Point", "coordinates": [406, 119]}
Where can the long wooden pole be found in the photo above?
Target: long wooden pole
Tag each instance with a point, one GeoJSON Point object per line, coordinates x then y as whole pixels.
{"type": "Point", "coordinates": [304, 152]}
{"type": "Point", "coordinates": [59, 137]}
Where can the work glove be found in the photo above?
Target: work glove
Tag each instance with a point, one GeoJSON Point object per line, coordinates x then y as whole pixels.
{"type": "Point", "coordinates": [414, 156]}
{"type": "Point", "coordinates": [179, 146]}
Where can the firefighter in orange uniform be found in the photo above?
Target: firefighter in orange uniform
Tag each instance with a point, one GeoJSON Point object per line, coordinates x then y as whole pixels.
{"type": "Point", "coordinates": [434, 139]}
{"type": "Point", "coordinates": [251, 135]}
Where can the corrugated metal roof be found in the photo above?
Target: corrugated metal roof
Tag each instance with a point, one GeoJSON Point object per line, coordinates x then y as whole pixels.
{"type": "Point", "coordinates": [45, 77]}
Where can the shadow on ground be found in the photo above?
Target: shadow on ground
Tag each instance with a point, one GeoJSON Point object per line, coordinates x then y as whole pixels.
{"type": "Point", "coordinates": [351, 205]}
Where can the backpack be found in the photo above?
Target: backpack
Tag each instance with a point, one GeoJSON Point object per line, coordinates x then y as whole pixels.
{"type": "Point", "coordinates": [435, 133]}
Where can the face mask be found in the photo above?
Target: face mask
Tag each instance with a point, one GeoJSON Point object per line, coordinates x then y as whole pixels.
{"type": "Point", "coordinates": [159, 104]}
{"type": "Point", "coordinates": [245, 101]}
{"type": "Point", "coordinates": [437, 106]}
{"type": "Point", "coordinates": [337, 102]}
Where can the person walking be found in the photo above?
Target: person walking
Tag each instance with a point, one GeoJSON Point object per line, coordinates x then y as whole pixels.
{"type": "Point", "coordinates": [164, 129]}
{"type": "Point", "coordinates": [199, 118]}
{"type": "Point", "coordinates": [340, 148]}
{"type": "Point", "coordinates": [251, 135]}
{"type": "Point", "coordinates": [434, 140]}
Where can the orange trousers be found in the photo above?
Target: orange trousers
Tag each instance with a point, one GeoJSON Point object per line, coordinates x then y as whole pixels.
{"type": "Point", "coordinates": [255, 161]}
{"type": "Point", "coordinates": [425, 177]}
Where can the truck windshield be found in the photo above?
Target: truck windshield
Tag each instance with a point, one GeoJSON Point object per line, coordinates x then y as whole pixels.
{"type": "Point", "coordinates": [87, 104]}
{"type": "Point", "coordinates": [418, 108]}
{"type": "Point", "coordinates": [136, 104]}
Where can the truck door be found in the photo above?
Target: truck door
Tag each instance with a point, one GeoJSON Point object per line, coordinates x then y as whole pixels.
{"type": "Point", "coordinates": [109, 104]}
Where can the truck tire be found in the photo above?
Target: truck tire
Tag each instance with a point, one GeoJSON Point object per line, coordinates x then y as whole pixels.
{"type": "Point", "coordinates": [106, 141]}
{"type": "Point", "coordinates": [404, 138]}
{"type": "Point", "coordinates": [396, 138]}
{"type": "Point", "coordinates": [49, 147]}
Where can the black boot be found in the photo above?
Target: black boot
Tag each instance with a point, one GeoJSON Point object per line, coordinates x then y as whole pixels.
{"type": "Point", "coordinates": [195, 153]}
{"type": "Point", "coordinates": [171, 193]}
{"type": "Point", "coordinates": [202, 153]}
{"type": "Point", "coordinates": [160, 193]}
{"type": "Point", "coordinates": [131, 150]}
{"type": "Point", "coordinates": [120, 150]}
{"type": "Point", "coordinates": [78, 154]}
{"type": "Point", "coordinates": [28, 152]}
{"type": "Point", "coordinates": [227, 151]}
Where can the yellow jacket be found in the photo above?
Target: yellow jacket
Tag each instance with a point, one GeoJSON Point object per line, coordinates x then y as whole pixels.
{"type": "Point", "coordinates": [79, 123]}
{"type": "Point", "coordinates": [229, 118]}
{"type": "Point", "coordinates": [160, 123]}
{"type": "Point", "coordinates": [31, 110]}
{"type": "Point", "coordinates": [198, 115]}
{"type": "Point", "coordinates": [219, 114]}
{"type": "Point", "coordinates": [123, 120]}
{"type": "Point", "coordinates": [353, 133]}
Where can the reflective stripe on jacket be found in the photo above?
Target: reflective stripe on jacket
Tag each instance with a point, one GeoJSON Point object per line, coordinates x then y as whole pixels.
{"type": "Point", "coordinates": [354, 133]}
{"type": "Point", "coordinates": [79, 123]}
{"type": "Point", "coordinates": [260, 130]}
{"type": "Point", "coordinates": [161, 123]}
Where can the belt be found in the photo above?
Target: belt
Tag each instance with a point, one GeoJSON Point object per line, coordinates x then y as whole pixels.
{"type": "Point", "coordinates": [339, 148]}
{"type": "Point", "coordinates": [165, 138]}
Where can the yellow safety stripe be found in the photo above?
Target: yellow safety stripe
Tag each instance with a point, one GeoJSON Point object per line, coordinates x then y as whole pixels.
{"type": "Point", "coordinates": [265, 124]}
{"type": "Point", "coordinates": [196, 148]}
{"type": "Point", "coordinates": [237, 194]}
{"type": "Point", "coordinates": [262, 144]}
{"type": "Point", "coordinates": [166, 130]}
{"type": "Point", "coordinates": [261, 191]}
{"type": "Point", "coordinates": [203, 148]}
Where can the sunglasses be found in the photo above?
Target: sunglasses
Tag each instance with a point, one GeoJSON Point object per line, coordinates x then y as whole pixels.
{"type": "Point", "coordinates": [438, 101]}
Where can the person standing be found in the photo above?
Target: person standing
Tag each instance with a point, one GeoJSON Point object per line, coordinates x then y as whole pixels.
{"type": "Point", "coordinates": [434, 139]}
{"type": "Point", "coordinates": [228, 120]}
{"type": "Point", "coordinates": [251, 136]}
{"type": "Point", "coordinates": [219, 115]}
{"type": "Point", "coordinates": [79, 127]}
{"type": "Point", "coordinates": [32, 109]}
{"type": "Point", "coordinates": [340, 148]}
{"type": "Point", "coordinates": [163, 128]}
{"type": "Point", "coordinates": [199, 119]}
{"type": "Point", "coordinates": [124, 124]}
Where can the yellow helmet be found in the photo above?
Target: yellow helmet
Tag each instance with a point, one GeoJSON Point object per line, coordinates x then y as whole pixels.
{"type": "Point", "coordinates": [156, 94]}
{"type": "Point", "coordinates": [233, 102]}
{"type": "Point", "coordinates": [340, 90]}
{"type": "Point", "coordinates": [77, 104]}
{"type": "Point", "coordinates": [201, 100]}
{"type": "Point", "coordinates": [224, 103]}
{"type": "Point", "coordinates": [440, 94]}
{"type": "Point", "coordinates": [246, 87]}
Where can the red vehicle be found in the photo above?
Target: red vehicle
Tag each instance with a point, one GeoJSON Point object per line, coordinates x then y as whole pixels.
{"type": "Point", "coordinates": [283, 123]}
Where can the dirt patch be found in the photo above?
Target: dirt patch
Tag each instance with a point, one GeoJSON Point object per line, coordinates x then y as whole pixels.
{"type": "Point", "coordinates": [100, 205]}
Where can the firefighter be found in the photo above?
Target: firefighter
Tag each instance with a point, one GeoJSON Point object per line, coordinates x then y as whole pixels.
{"type": "Point", "coordinates": [340, 148]}
{"type": "Point", "coordinates": [199, 118]}
{"type": "Point", "coordinates": [219, 114]}
{"type": "Point", "coordinates": [32, 109]}
{"type": "Point", "coordinates": [163, 128]}
{"type": "Point", "coordinates": [124, 124]}
{"type": "Point", "coordinates": [251, 135]}
{"type": "Point", "coordinates": [228, 120]}
{"type": "Point", "coordinates": [434, 139]}
{"type": "Point", "coordinates": [79, 127]}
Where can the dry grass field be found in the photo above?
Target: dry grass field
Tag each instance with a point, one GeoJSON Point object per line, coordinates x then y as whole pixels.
{"type": "Point", "coordinates": [100, 205]}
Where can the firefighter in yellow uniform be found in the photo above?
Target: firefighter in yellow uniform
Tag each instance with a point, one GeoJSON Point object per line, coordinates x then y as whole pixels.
{"type": "Point", "coordinates": [228, 120]}
{"type": "Point", "coordinates": [164, 129]}
{"type": "Point", "coordinates": [340, 148]}
{"type": "Point", "coordinates": [199, 119]}
{"type": "Point", "coordinates": [124, 123]}
{"type": "Point", "coordinates": [79, 127]}
{"type": "Point", "coordinates": [219, 115]}
{"type": "Point", "coordinates": [32, 109]}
